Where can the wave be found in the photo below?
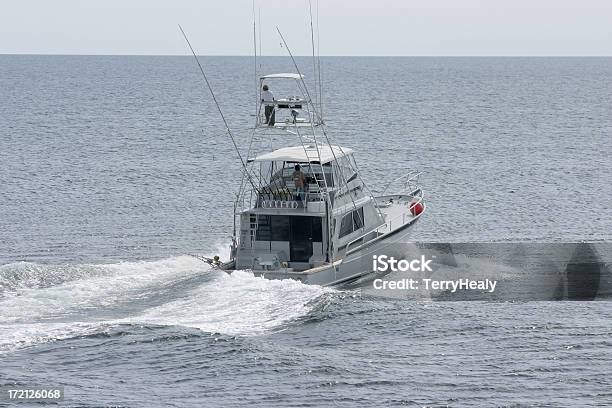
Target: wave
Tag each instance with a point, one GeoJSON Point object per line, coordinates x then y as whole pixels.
{"type": "Point", "coordinates": [237, 304]}
{"type": "Point", "coordinates": [22, 275]}
{"type": "Point", "coordinates": [42, 303]}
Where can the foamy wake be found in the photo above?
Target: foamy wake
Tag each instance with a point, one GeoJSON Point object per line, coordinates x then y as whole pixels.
{"type": "Point", "coordinates": [40, 303]}
{"type": "Point", "coordinates": [237, 304]}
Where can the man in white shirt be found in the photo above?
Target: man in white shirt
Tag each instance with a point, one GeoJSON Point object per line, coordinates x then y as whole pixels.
{"type": "Point", "coordinates": [268, 99]}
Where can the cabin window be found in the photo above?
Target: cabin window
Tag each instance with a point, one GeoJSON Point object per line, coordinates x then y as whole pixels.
{"type": "Point", "coordinates": [351, 222]}
{"type": "Point", "coordinates": [264, 228]}
{"type": "Point", "coordinates": [272, 228]}
{"type": "Point", "coordinates": [278, 227]}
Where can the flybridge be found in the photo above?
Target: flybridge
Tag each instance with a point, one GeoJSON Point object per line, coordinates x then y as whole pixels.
{"type": "Point", "coordinates": [293, 111]}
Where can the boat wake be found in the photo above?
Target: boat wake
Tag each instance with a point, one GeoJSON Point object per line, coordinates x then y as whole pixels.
{"type": "Point", "coordinates": [44, 303]}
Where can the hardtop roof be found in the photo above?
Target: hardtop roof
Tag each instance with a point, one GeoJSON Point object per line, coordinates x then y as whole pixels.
{"type": "Point", "coordinates": [305, 154]}
{"type": "Point", "coordinates": [285, 75]}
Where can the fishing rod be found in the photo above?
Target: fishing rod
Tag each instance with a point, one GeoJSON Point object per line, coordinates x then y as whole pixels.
{"type": "Point", "coordinates": [296, 67]}
{"type": "Point", "coordinates": [323, 127]}
{"type": "Point", "coordinates": [229, 132]}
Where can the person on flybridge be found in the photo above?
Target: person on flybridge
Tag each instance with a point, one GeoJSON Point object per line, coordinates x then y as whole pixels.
{"type": "Point", "coordinates": [300, 181]}
{"type": "Point", "coordinates": [267, 97]}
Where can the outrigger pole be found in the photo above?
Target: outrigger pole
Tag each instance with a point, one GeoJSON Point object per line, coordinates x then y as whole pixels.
{"type": "Point", "coordinates": [297, 69]}
{"type": "Point", "coordinates": [321, 121]}
{"type": "Point", "coordinates": [229, 132]}
{"type": "Point", "coordinates": [323, 130]}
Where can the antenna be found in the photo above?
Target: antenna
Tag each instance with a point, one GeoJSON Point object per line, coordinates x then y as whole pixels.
{"type": "Point", "coordinates": [259, 29]}
{"type": "Point", "coordinates": [255, 55]}
{"type": "Point", "coordinates": [229, 132]}
{"type": "Point", "coordinates": [314, 60]}
{"type": "Point", "coordinates": [319, 64]}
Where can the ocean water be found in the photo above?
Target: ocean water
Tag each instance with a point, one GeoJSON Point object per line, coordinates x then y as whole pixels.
{"type": "Point", "coordinates": [112, 169]}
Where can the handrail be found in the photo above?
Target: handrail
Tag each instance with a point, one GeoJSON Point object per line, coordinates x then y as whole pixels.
{"type": "Point", "coordinates": [288, 202]}
{"type": "Point", "coordinates": [362, 236]}
{"type": "Point", "coordinates": [409, 177]}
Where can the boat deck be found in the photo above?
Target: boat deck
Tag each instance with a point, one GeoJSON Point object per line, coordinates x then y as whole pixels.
{"type": "Point", "coordinates": [396, 210]}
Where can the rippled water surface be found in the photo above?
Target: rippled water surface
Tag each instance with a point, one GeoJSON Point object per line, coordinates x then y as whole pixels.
{"type": "Point", "coordinates": [113, 168]}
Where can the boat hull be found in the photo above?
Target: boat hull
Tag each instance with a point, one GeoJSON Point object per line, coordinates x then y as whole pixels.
{"type": "Point", "coordinates": [356, 264]}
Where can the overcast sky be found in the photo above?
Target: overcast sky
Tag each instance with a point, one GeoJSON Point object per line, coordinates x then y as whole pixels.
{"type": "Point", "coordinates": [347, 27]}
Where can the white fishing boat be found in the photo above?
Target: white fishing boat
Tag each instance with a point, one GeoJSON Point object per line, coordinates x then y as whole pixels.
{"type": "Point", "coordinates": [327, 231]}
{"type": "Point", "coordinates": [302, 210]}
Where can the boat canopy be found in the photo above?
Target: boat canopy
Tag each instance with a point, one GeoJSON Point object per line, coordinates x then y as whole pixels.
{"type": "Point", "coordinates": [305, 154]}
{"type": "Point", "coordinates": [287, 75]}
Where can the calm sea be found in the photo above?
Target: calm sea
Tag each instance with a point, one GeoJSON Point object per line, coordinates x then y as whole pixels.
{"type": "Point", "coordinates": [112, 168]}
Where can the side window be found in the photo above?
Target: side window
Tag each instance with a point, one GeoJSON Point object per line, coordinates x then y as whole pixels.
{"type": "Point", "coordinates": [358, 219]}
{"type": "Point", "coordinates": [351, 222]}
{"type": "Point", "coordinates": [346, 226]}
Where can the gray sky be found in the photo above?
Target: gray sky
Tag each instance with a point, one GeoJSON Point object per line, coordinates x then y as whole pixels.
{"type": "Point", "coordinates": [347, 27]}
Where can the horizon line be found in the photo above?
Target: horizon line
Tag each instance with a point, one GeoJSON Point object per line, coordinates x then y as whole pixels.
{"type": "Point", "coordinates": [324, 56]}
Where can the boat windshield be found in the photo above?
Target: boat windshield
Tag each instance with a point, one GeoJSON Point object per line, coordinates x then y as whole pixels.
{"type": "Point", "coordinates": [280, 173]}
